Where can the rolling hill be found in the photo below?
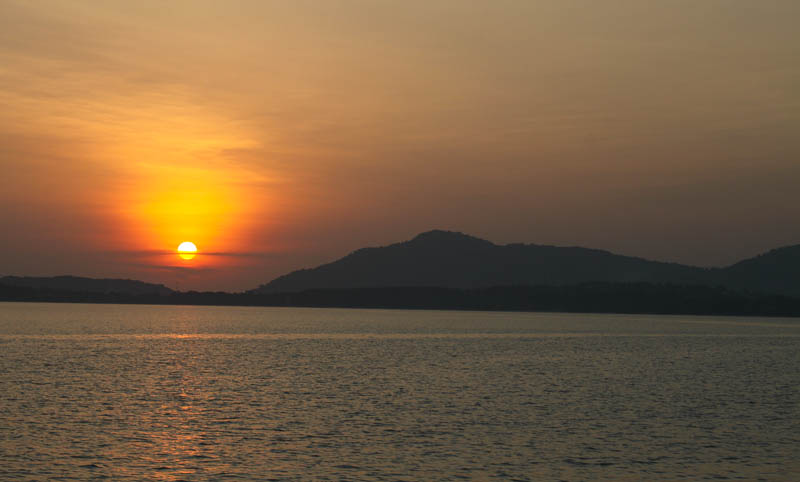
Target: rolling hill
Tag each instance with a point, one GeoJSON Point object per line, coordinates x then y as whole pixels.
{"type": "Point", "coordinates": [455, 260]}
{"type": "Point", "coordinates": [86, 285]}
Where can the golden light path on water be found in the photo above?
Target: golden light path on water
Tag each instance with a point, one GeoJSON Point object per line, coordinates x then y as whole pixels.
{"type": "Point", "coordinates": [205, 393]}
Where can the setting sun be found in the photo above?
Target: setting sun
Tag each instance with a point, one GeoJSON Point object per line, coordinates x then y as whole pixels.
{"type": "Point", "coordinates": [187, 250]}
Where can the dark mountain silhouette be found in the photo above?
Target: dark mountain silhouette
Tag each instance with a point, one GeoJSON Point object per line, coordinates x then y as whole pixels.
{"type": "Point", "coordinates": [86, 285]}
{"type": "Point", "coordinates": [776, 271]}
{"type": "Point", "coordinates": [447, 270]}
{"type": "Point", "coordinates": [455, 260]}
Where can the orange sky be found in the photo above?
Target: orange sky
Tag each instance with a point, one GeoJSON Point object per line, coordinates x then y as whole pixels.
{"type": "Point", "coordinates": [280, 135]}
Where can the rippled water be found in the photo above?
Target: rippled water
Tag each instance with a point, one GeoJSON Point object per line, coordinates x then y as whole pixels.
{"type": "Point", "coordinates": [223, 393]}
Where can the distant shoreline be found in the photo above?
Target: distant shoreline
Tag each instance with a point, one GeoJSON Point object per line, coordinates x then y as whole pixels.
{"type": "Point", "coordinates": [616, 298]}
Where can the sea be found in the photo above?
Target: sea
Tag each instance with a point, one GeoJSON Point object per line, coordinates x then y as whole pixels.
{"type": "Point", "coordinates": [185, 393]}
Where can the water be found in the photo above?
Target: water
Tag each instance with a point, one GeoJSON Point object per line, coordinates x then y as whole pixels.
{"type": "Point", "coordinates": [226, 393]}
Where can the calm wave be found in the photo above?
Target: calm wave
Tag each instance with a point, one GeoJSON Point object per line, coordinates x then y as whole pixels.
{"type": "Point", "coordinates": [219, 393]}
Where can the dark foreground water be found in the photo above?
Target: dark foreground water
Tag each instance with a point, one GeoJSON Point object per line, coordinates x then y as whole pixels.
{"type": "Point", "coordinates": [213, 393]}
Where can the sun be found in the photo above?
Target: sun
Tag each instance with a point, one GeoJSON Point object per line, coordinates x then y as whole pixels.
{"type": "Point", "coordinates": [187, 250]}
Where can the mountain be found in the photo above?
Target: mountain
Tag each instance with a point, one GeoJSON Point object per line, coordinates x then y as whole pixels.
{"type": "Point", "coordinates": [447, 260]}
{"type": "Point", "coordinates": [776, 271]}
{"type": "Point", "coordinates": [86, 285]}
{"type": "Point", "coordinates": [449, 270]}
{"type": "Point", "coordinates": [455, 260]}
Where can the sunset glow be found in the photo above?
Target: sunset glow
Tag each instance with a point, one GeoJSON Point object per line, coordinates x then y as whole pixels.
{"type": "Point", "coordinates": [338, 240]}
{"type": "Point", "coordinates": [287, 134]}
{"type": "Point", "coordinates": [187, 250]}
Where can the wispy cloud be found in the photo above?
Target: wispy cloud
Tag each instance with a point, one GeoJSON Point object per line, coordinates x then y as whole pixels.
{"type": "Point", "coordinates": [278, 135]}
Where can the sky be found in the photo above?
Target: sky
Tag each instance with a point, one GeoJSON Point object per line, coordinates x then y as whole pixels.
{"type": "Point", "coordinates": [279, 135]}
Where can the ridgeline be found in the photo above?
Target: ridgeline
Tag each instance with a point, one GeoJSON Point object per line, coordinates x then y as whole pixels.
{"type": "Point", "coordinates": [447, 270]}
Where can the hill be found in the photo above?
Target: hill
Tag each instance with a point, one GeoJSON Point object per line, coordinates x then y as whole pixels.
{"type": "Point", "coordinates": [776, 271]}
{"type": "Point", "coordinates": [86, 285]}
{"type": "Point", "coordinates": [456, 260]}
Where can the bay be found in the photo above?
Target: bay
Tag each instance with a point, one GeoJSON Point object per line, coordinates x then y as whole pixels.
{"type": "Point", "coordinates": [131, 392]}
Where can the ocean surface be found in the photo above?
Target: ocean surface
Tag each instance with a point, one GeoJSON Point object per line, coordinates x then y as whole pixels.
{"type": "Point", "coordinates": [232, 393]}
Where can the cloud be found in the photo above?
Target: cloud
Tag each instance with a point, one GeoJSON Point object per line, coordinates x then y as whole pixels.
{"type": "Point", "coordinates": [277, 135]}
